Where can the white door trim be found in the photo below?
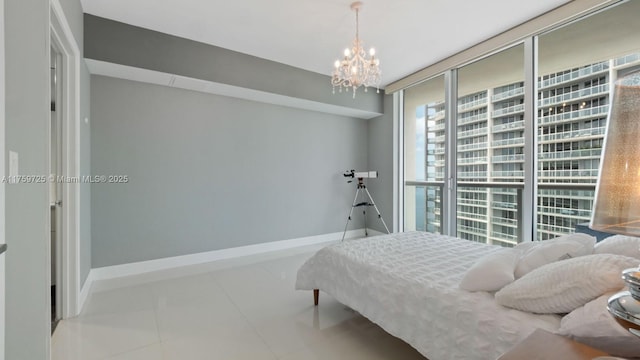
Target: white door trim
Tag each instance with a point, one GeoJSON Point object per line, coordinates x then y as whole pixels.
{"type": "Point", "coordinates": [63, 38]}
{"type": "Point", "coordinates": [2, 174]}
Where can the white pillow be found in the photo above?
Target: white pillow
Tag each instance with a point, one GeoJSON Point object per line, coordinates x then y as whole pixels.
{"type": "Point", "coordinates": [562, 286]}
{"type": "Point", "coordinates": [592, 324]}
{"type": "Point", "coordinates": [525, 246]}
{"type": "Point", "coordinates": [586, 240]}
{"type": "Point", "coordinates": [548, 251]}
{"type": "Point", "coordinates": [619, 244]}
{"type": "Point", "coordinates": [491, 272]}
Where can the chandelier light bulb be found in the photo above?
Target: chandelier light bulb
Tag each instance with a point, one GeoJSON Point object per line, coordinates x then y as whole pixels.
{"type": "Point", "coordinates": [357, 68]}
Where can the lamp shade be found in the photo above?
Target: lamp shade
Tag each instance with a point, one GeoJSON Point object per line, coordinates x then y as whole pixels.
{"type": "Point", "coordinates": [617, 201]}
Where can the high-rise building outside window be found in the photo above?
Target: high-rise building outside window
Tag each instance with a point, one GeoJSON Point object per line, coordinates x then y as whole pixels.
{"type": "Point", "coordinates": [577, 65]}
{"type": "Point", "coordinates": [424, 129]}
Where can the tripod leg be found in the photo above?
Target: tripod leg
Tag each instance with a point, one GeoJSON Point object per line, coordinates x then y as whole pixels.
{"type": "Point", "coordinates": [364, 211]}
{"type": "Point", "coordinates": [377, 211]}
{"type": "Point", "coordinates": [355, 199]}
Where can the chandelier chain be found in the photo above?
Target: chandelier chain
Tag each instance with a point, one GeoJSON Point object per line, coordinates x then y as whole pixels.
{"type": "Point", "coordinates": [357, 25]}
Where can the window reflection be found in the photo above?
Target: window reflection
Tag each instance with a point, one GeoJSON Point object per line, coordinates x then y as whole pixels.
{"type": "Point", "coordinates": [577, 65]}
{"type": "Point", "coordinates": [424, 132]}
{"type": "Point", "coordinates": [490, 136]}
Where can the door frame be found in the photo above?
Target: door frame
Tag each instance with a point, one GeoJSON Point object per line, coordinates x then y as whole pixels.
{"type": "Point", "coordinates": [62, 37]}
{"type": "Point", "coordinates": [55, 168]}
{"type": "Point", "coordinates": [2, 184]}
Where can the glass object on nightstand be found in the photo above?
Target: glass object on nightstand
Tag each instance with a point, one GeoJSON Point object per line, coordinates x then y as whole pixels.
{"type": "Point", "coordinates": [617, 202]}
{"type": "Point", "coordinates": [625, 305]}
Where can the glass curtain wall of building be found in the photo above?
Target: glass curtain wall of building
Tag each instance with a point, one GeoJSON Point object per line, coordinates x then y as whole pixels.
{"type": "Point", "coordinates": [490, 147]}
{"type": "Point", "coordinates": [424, 126]}
{"type": "Point", "coordinates": [577, 65]}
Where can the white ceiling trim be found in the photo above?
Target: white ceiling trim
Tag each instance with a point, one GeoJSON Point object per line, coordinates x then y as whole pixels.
{"type": "Point", "coordinates": [97, 67]}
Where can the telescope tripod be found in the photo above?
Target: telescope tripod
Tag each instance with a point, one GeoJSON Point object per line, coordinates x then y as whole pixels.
{"type": "Point", "coordinates": [362, 190]}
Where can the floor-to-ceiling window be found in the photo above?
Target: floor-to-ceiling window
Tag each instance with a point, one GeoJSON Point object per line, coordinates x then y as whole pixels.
{"type": "Point", "coordinates": [577, 64]}
{"type": "Point", "coordinates": [490, 141]}
{"type": "Point", "coordinates": [501, 174]}
{"type": "Point", "coordinates": [424, 132]}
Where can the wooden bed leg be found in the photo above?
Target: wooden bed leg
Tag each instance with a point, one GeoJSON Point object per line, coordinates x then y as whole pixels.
{"type": "Point", "coordinates": [316, 294]}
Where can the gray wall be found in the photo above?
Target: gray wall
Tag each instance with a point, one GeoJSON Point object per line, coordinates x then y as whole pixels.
{"type": "Point", "coordinates": [208, 172]}
{"type": "Point", "coordinates": [119, 43]}
{"type": "Point", "coordinates": [27, 208]}
{"type": "Point", "coordinates": [85, 169]}
{"type": "Point", "coordinates": [380, 157]}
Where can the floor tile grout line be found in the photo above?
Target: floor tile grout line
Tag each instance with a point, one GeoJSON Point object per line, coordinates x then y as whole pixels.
{"type": "Point", "coordinates": [129, 351]}
{"type": "Point", "coordinates": [246, 318]}
{"type": "Point", "coordinates": [155, 312]}
{"type": "Point", "coordinates": [230, 282]}
{"type": "Point", "coordinates": [144, 287]}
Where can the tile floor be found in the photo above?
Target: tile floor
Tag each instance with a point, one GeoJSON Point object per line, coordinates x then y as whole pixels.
{"type": "Point", "coordinates": [243, 308]}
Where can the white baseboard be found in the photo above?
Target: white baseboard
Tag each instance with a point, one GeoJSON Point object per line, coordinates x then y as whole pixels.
{"type": "Point", "coordinates": [85, 291]}
{"type": "Point", "coordinates": [144, 267]}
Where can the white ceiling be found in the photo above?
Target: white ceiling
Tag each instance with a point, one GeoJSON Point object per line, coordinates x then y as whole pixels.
{"type": "Point", "coordinates": [311, 34]}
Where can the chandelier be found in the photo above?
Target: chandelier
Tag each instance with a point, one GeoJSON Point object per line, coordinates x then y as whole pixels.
{"type": "Point", "coordinates": [356, 69]}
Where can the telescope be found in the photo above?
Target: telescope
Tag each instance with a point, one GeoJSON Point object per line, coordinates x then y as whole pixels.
{"type": "Point", "coordinates": [361, 174]}
{"type": "Point", "coordinates": [362, 190]}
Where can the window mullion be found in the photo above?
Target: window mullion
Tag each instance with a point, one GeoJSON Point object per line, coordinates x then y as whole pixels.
{"type": "Point", "coordinates": [527, 200]}
{"type": "Point", "coordinates": [398, 163]}
{"type": "Point", "coordinates": [449, 207]}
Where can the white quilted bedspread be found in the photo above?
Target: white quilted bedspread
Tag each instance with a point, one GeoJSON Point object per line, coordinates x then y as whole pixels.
{"type": "Point", "coordinates": [408, 284]}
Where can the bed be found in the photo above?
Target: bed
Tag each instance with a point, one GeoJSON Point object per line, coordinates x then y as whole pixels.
{"type": "Point", "coordinates": [407, 283]}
